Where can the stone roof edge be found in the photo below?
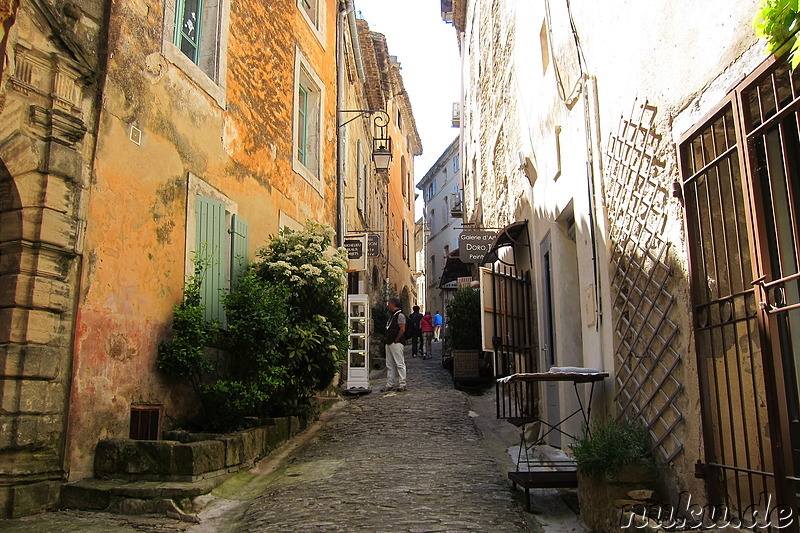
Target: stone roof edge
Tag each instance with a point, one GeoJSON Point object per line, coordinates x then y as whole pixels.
{"type": "Point", "coordinates": [384, 81]}
{"type": "Point", "coordinates": [376, 98]}
{"type": "Point", "coordinates": [404, 103]}
{"type": "Point", "coordinates": [460, 14]}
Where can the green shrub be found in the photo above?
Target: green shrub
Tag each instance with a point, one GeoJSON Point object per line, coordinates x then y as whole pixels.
{"type": "Point", "coordinates": [255, 372]}
{"type": "Point", "coordinates": [315, 344]}
{"type": "Point", "coordinates": [286, 333]}
{"type": "Point", "coordinates": [611, 446]}
{"type": "Point", "coordinates": [183, 357]}
{"type": "Point", "coordinates": [464, 319]}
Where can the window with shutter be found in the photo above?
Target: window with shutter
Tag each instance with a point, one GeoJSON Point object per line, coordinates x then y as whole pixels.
{"type": "Point", "coordinates": [210, 243]}
{"type": "Point", "coordinates": [240, 244]}
{"type": "Point", "coordinates": [307, 129]}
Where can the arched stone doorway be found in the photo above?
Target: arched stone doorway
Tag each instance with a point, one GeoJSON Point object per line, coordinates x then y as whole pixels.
{"type": "Point", "coordinates": [405, 297]}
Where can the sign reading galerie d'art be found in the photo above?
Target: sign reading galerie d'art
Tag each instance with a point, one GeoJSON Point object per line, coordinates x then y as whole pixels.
{"type": "Point", "coordinates": [473, 245]}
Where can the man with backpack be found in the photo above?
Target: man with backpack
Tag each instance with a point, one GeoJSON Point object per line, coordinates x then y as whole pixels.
{"type": "Point", "coordinates": [414, 332]}
{"type": "Point", "coordinates": [395, 342]}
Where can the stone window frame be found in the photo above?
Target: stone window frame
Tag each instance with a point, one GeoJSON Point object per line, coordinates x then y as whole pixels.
{"type": "Point", "coordinates": [313, 11]}
{"type": "Point", "coordinates": [210, 74]}
{"type": "Point", "coordinates": [305, 76]}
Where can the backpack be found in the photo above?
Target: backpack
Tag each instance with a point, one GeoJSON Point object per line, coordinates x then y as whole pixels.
{"type": "Point", "coordinates": [409, 332]}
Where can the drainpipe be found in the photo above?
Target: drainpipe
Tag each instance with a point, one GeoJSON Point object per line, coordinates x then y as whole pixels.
{"type": "Point", "coordinates": [347, 9]}
{"type": "Point", "coordinates": [351, 22]}
{"type": "Point", "coordinates": [340, 66]}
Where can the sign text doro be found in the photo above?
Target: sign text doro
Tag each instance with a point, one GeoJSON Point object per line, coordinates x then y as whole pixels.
{"type": "Point", "coordinates": [473, 245]}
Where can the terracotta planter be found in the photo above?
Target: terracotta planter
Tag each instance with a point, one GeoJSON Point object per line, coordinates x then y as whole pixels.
{"type": "Point", "coordinates": [601, 495]}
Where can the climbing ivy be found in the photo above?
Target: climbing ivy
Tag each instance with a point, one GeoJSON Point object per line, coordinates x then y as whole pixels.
{"type": "Point", "coordinates": [777, 22]}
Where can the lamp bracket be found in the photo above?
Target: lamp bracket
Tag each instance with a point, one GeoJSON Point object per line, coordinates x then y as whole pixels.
{"type": "Point", "coordinates": [361, 112]}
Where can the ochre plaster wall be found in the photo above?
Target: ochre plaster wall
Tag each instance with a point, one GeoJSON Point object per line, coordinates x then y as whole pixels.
{"type": "Point", "coordinates": [136, 235]}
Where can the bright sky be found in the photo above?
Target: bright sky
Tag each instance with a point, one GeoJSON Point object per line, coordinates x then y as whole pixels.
{"type": "Point", "coordinates": [427, 50]}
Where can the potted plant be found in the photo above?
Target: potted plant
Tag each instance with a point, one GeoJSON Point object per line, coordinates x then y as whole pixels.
{"type": "Point", "coordinates": [464, 320]}
{"type": "Point", "coordinates": [613, 459]}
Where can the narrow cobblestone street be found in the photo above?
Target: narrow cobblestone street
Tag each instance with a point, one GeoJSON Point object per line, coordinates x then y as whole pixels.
{"type": "Point", "coordinates": [398, 461]}
{"type": "Point", "coordinates": [417, 461]}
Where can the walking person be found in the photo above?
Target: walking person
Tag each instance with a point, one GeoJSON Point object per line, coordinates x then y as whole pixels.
{"type": "Point", "coordinates": [437, 326]}
{"type": "Point", "coordinates": [416, 334]}
{"type": "Point", "coordinates": [426, 327]}
{"type": "Point", "coordinates": [395, 342]}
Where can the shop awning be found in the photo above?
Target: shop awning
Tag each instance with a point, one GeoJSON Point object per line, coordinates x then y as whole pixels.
{"type": "Point", "coordinates": [511, 235]}
{"type": "Point", "coordinates": [454, 269]}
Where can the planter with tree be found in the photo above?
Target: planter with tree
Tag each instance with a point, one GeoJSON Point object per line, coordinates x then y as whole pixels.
{"type": "Point", "coordinates": [464, 320]}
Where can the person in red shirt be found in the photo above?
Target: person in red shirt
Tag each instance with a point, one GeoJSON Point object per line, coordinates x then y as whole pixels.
{"type": "Point", "coordinates": [426, 326]}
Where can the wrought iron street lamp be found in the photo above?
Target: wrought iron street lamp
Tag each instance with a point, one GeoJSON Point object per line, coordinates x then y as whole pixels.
{"type": "Point", "coordinates": [381, 142]}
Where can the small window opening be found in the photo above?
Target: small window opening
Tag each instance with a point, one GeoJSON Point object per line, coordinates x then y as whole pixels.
{"type": "Point", "coordinates": [146, 422]}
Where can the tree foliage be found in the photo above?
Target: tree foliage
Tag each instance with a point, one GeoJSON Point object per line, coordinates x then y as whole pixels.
{"type": "Point", "coordinates": [777, 22]}
{"type": "Point", "coordinates": [464, 318]}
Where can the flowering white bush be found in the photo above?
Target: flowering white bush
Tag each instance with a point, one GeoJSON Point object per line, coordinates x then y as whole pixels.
{"type": "Point", "coordinates": [306, 264]}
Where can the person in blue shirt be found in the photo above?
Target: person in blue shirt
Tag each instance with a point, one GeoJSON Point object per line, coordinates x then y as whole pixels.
{"type": "Point", "coordinates": [437, 326]}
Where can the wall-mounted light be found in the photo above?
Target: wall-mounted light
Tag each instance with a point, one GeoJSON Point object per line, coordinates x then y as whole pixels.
{"type": "Point", "coordinates": [381, 142]}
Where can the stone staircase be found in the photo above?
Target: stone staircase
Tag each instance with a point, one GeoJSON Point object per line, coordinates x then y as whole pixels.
{"type": "Point", "coordinates": [169, 476]}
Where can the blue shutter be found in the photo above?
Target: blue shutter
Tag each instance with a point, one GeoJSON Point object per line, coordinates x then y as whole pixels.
{"type": "Point", "coordinates": [211, 243]}
{"type": "Point", "coordinates": [240, 247]}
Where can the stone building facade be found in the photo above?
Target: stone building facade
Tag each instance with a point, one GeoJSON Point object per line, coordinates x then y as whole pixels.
{"type": "Point", "coordinates": [392, 198]}
{"type": "Point", "coordinates": [50, 86]}
{"type": "Point", "coordinates": [206, 145]}
{"type": "Point", "coordinates": [647, 161]}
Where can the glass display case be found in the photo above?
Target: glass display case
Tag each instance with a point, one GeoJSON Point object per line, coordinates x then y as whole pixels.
{"type": "Point", "coordinates": [358, 345]}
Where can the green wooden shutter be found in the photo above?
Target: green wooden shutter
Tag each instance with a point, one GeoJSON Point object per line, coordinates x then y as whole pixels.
{"type": "Point", "coordinates": [302, 126]}
{"type": "Point", "coordinates": [188, 22]}
{"type": "Point", "coordinates": [211, 243]}
{"type": "Point", "coordinates": [240, 247]}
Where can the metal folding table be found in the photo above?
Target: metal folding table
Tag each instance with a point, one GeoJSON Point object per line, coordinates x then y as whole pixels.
{"type": "Point", "coordinates": [549, 473]}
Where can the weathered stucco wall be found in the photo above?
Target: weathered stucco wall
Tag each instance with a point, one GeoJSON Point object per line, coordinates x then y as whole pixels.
{"type": "Point", "coordinates": [136, 238]}
{"type": "Point", "coordinates": [546, 95]}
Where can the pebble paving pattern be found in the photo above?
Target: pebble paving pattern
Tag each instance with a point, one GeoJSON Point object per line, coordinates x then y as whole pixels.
{"type": "Point", "coordinates": [393, 462]}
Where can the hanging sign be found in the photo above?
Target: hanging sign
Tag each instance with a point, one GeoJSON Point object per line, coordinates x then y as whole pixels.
{"type": "Point", "coordinates": [473, 245]}
{"type": "Point", "coordinates": [373, 245]}
{"type": "Point", "coordinates": [356, 258]}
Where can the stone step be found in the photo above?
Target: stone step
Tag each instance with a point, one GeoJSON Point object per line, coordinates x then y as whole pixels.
{"type": "Point", "coordinates": [137, 497]}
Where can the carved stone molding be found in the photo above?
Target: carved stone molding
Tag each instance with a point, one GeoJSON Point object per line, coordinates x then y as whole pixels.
{"type": "Point", "coordinates": [58, 126]}
{"type": "Point", "coordinates": [50, 78]}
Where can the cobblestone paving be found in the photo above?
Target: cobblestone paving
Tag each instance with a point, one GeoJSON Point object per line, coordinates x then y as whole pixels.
{"type": "Point", "coordinates": [393, 462]}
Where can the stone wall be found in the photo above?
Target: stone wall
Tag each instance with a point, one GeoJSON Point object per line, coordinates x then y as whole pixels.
{"type": "Point", "coordinates": [47, 120]}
